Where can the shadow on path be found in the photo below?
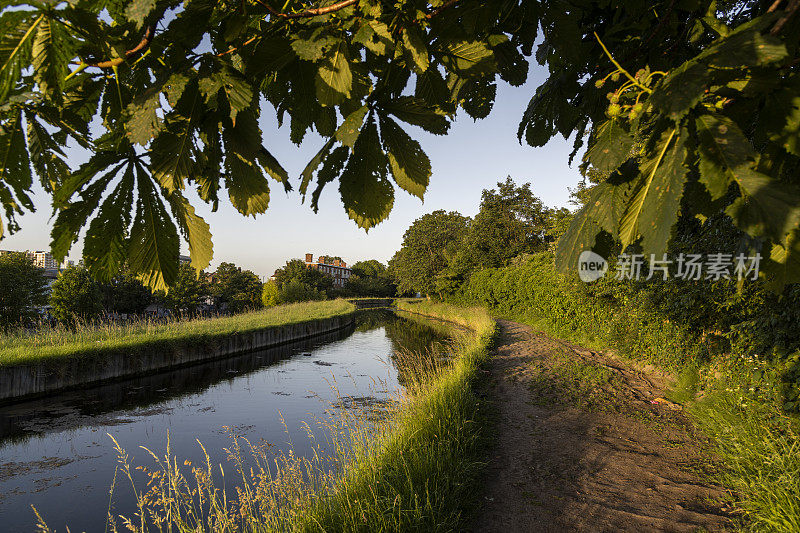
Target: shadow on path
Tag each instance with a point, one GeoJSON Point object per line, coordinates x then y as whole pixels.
{"type": "Point", "coordinates": [586, 444]}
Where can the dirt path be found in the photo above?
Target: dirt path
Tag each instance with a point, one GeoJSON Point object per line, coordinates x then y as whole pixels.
{"type": "Point", "coordinates": [586, 444]}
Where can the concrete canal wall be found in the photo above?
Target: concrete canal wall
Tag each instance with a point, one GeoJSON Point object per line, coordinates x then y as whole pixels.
{"type": "Point", "coordinates": [26, 381]}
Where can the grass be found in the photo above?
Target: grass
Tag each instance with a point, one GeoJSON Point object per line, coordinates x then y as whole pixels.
{"type": "Point", "coordinates": [54, 344]}
{"type": "Point", "coordinates": [757, 445]}
{"type": "Point", "coordinates": [760, 451]}
{"type": "Point", "coordinates": [418, 469]}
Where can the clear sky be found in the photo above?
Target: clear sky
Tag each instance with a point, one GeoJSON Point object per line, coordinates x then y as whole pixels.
{"type": "Point", "coordinates": [472, 157]}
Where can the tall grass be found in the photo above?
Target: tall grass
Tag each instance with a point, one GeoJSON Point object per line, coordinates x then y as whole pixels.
{"type": "Point", "coordinates": [55, 343]}
{"type": "Point", "coordinates": [415, 469]}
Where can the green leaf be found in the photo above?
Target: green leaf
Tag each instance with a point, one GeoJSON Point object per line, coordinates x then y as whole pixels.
{"type": "Point", "coordinates": [743, 48]}
{"type": "Point", "coordinates": [409, 109]}
{"type": "Point", "coordinates": [72, 217]}
{"type": "Point", "coordinates": [334, 79]}
{"type": "Point", "coordinates": [174, 154]}
{"type": "Point", "coordinates": [15, 170]}
{"type": "Point", "coordinates": [415, 49]}
{"type": "Point", "coordinates": [367, 195]}
{"type": "Point", "coordinates": [230, 82]}
{"type": "Point", "coordinates": [348, 132]}
{"type": "Point", "coordinates": [273, 167]}
{"type": "Point", "coordinates": [194, 229]}
{"type": "Point", "coordinates": [432, 89]}
{"type": "Point", "coordinates": [142, 122]}
{"type": "Point", "coordinates": [331, 169]}
{"type": "Point", "coordinates": [783, 266]}
{"type": "Point", "coordinates": [46, 155]}
{"type": "Point", "coordinates": [105, 246]}
{"type": "Point", "coordinates": [767, 207]}
{"type": "Point", "coordinates": [51, 57]}
{"type": "Point", "coordinates": [311, 45]}
{"type": "Point", "coordinates": [477, 97]}
{"type": "Point", "coordinates": [612, 147]}
{"type": "Point", "coordinates": [469, 58]}
{"type": "Point", "coordinates": [15, 48]}
{"type": "Point", "coordinates": [579, 237]}
{"type": "Point", "coordinates": [410, 166]}
{"type": "Point", "coordinates": [654, 208]}
{"type": "Point", "coordinates": [375, 36]}
{"type": "Point", "coordinates": [308, 173]}
{"type": "Point", "coordinates": [154, 245]}
{"type": "Point", "coordinates": [247, 187]}
{"type": "Point", "coordinates": [781, 119]}
{"type": "Point", "coordinates": [137, 11]}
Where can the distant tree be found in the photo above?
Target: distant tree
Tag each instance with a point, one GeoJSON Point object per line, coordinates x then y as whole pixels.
{"type": "Point", "coordinates": [370, 278]}
{"type": "Point", "coordinates": [297, 291]}
{"type": "Point", "coordinates": [23, 288]}
{"type": "Point", "coordinates": [125, 294]}
{"type": "Point", "coordinates": [370, 268]}
{"type": "Point", "coordinates": [240, 289]}
{"type": "Point", "coordinates": [76, 295]}
{"type": "Point", "coordinates": [296, 270]}
{"type": "Point", "coordinates": [189, 292]}
{"type": "Point", "coordinates": [427, 245]}
{"type": "Point", "coordinates": [270, 294]}
{"type": "Point", "coordinates": [511, 221]}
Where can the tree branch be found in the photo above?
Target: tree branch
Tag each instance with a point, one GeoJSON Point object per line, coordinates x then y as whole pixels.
{"type": "Point", "coordinates": [441, 8]}
{"type": "Point", "coordinates": [308, 12]}
{"type": "Point", "coordinates": [791, 9]}
{"type": "Point", "coordinates": [143, 44]}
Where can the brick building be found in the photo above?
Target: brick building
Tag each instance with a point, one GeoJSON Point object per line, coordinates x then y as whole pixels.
{"type": "Point", "coordinates": [336, 268]}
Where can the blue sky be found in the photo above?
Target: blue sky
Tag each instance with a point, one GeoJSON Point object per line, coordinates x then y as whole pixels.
{"type": "Point", "coordinates": [472, 157]}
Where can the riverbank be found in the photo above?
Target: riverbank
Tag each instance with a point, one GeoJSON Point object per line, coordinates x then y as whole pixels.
{"type": "Point", "coordinates": [61, 359]}
{"type": "Point", "coordinates": [422, 474]}
{"type": "Point", "coordinates": [731, 396]}
{"type": "Point", "coordinates": [417, 468]}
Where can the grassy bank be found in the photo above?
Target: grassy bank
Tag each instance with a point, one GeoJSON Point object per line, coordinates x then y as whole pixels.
{"type": "Point", "coordinates": [731, 388]}
{"type": "Point", "coordinates": [52, 344]}
{"type": "Point", "coordinates": [416, 470]}
{"type": "Point", "coordinates": [421, 475]}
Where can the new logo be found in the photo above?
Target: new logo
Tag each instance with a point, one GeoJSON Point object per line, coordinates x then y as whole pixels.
{"type": "Point", "coordinates": [591, 266]}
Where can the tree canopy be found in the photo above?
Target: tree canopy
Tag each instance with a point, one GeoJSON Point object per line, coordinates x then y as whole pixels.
{"type": "Point", "coordinates": [688, 106]}
{"type": "Point", "coordinates": [23, 289]}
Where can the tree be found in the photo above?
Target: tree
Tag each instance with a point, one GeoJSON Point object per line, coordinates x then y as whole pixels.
{"type": "Point", "coordinates": [187, 114]}
{"type": "Point", "coordinates": [427, 245]}
{"type": "Point", "coordinates": [189, 292]}
{"type": "Point", "coordinates": [23, 289]}
{"type": "Point", "coordinates": [370, 278]}
{"type": "Point", "coordinates": [270, 294]}
{"type": "Point", "coordinates": [296, 270]}
{"type": "Point", "coordinates": [686, 107]}
{"type": "Point", "coordinates": [371, 268]}
{"type": "Point", "coordinates": [511, 221]}
{"type": "Point", "coordinates": [75, 295]}
{"type": "Point", "coordinates": [240, 290]}
{"type": "Point", "coordinates": [125, 294]}
{"type": "Point", "coordinates": [297, 291]}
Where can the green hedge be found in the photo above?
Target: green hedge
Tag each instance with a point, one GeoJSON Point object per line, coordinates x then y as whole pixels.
{"type": "Point", "coordinates": [671, 323]}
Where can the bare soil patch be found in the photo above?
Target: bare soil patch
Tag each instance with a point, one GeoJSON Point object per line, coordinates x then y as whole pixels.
{"type": "Point", "coordinates": [587, 443]}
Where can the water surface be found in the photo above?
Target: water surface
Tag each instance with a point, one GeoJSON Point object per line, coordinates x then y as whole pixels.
{"type": "Point", "coordinates": [55, 453]}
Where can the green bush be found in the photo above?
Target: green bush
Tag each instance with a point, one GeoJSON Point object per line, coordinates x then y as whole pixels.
{"type": "Point", "coordinates": [76, 296]}
{"type": "Point", "coordinates": [297, 291]}
{"type": "Point", "coordinates": [671, 323]}
{"type": "Point", "coordinates": [270, 294]}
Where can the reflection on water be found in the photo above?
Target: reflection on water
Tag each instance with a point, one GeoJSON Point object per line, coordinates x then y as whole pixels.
{"type": "Point", "coordinates": [56, 455]}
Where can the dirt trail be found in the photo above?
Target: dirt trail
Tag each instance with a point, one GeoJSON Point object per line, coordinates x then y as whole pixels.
{"type": "Point", "coordinates": [587, 444]}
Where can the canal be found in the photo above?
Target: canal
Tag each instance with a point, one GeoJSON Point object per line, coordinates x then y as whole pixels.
{"type": "Point", "coordinates": [56, 453]}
